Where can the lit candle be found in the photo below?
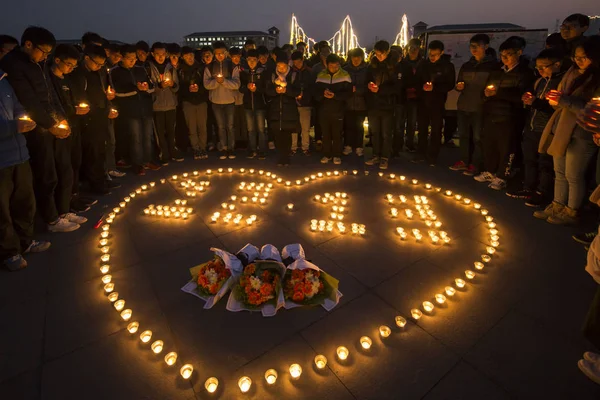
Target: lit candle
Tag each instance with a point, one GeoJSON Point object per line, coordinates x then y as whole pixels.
{"type": "Point", "coordinates": [354, 172]}
{"type": "Point", "coordinates": [126, 314]}
{"type": "Point", "coordinates": [400, 321]}
{"type": "Point", "coordinates": [440, 298]}
{"type": "Point", "coordinates": [416, 313]}
{"type": "Point", "coordinates": [450, 291]}
{"type": "Point", "coordinates": [146, 336]}
{"type": "Point", "coordinates": [119, 304]}
{"type": "Point", "coordinates": [342, 353]}
{"type": "Point", "coordinates": [415, 182]}
{"type": "Point", "coordinates": [484, 212]}
{"type": "Point", "coordinates": [478, 265]}
{"type": "Point", "coordinates": [171, 358]}
{"type": "Point", "coordinates": [290, 207]}
{"type": "Point", "coordinates": [114, 296]}
{"type": "Point", "coordinates": [460, 283]}
{"type": "Point", "coordinates": [477, 206]}
{"type": "Point", "coordinates": [485, 258]}
{"type": "Point", "coordinates": [469, 274]}
{"type": "Point", "coordinates": [104, 235]}
{"type": "Point", "coordinates": [211, 384]}
{"type": "Point", "coordinates": [320, 361]}
{"type": "Point", "coordinates": [392, 176]}
{"type": "Point", "coordinates": [157, 346]}
{"type": "Point", "coordinates": [385, 331]}
{"type": "Point", "coordinates": [186, 371]}
{"type": "Point", "coordinates": [428, 306]}
{"type": "Point", "coordinates": [133, 327]}
{"type": "Point", "coordinates": [163, 180]}
{"type": "Point", "coordinates": [244, 384]}
{"type": "Point", "coordinates": [109, 287]}
{"type": "Point", "coordinates": [490, 249]}
{"type": "Point", "coordinates": [295, 371]}
{"type": "Point", "coordinates": [366, 342]}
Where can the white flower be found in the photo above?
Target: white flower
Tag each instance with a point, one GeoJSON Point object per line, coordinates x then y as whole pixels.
{"type": "Point", "coordinates": [211, 275]}
{"type": "Point", "coordinates": [255, 282]}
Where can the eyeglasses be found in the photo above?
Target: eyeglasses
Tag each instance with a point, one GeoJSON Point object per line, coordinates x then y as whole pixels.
{"type": "Point", "coordinates": [69, 65]}
{"type": "Point", "coordinates": [580, 59]}
{"type": "Point", "coordinates": [95, 62]}
{"type": "Point", "coordinates": [44, 52]}
{"type": "Point", "coordinates": [543, 67]}
{"type": "Point", "coordinates": [507, 55]}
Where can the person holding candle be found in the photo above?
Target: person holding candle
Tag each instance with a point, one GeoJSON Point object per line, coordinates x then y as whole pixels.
{"type": "Point", "coordinates": [17, 200]}
{"type": "Point", "coordinates": [222, 80]}
{"type": "Point", "coordinates": [252, 86]}
{"type": "Point", "coordinates": [437, 77]}
{"type": "Point", "coordinates": [239, 120]}
{"type": "Point", "coordinates": [164, 102]}
{"type": "Point", "coordinates": [502, 111]}
{"type": "Point", "coordinates": [356, 105]}
{"type": "Point", "coordinates": [471, 83]}
{"type": "Point", "coordinates": [142, 51]}
{"type": "Point", "coordinates": [571, 146]}
{"type": "Point", "coordinates": [304, 101]}
{"type": "Point", "coordinates": [133, 90]}
{"type": "Point", "coordinates": [539, 174]}
{"type": "Point", "coordinates": [407, 96]}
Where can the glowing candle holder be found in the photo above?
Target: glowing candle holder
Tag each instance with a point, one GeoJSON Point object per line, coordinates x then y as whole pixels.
{"type": "Point", "coordinates": [366, 342]}
{"type": "Point", "coordinates": [244, 383]}
{"type": "Point", "coordinates": [450, 291]}
{"type": "Point", "coordinates": [290, 207]}
{"type": "Point", "coordinates": [467, 201]}
{"type": "Point", "coordinates": [460, 283]}
{"type": "Point", "coordinates": [448, 193]}
{"type": "Point", "coordinates": [105, 258]}
{"type": "Point", "coordinates": [119, 304]}
{"type": "Point", "coordinates": [477, 206]}
{"type": "Point", "coordinates": [415, 182]}
{"type": "Point", "coordinates": [392, 176]}
{"type": "Point", "coordinates": [133, 327]}
{"type": "Point", "coordinates": [400, 321]}
{"type": "Point", "coordinates": [478, 265]}
{"type": "Point", "coordinates": [416, 313]}
{"type": "Point", "coordinates": [163, 181]}
{"type": "Point", "coordinates": [295, 371]}
{"type": "Point", "coordinates": [428, 306]}
{"type": "Point", "coordinates": [485, 258]}
{"type": "Point", "coordinates": [354, 172]}
{"type": "Point", "coordinates": [494, 232]}
{"type": "Point", "coordinates": [106, 279]}
{"type": "Point", "coordinates": [211, 384]}
{"type": "Point", "coordinates": [495, 243]}
{"type": "Point", "coordinates": [458, 197]}
{"type": "Point", "coordinates": [385, 331]}
{"type": "Point", "coordinates": [440, 298]}
{"type": "Point", "coordinates": [220, 170]}
{"type": "Point", "coordinates": [109, 287]}
{"type": "Point", "coordinates": [342, 353]}
{"type": "Point", "coordinates": [126, 314]}
{"type": "Point", "coordinates": [146, 336]}
{"type": "Point", "coordinates": [157, 346]}
{"type": "Point", "coordinates": [186, 371]}
{"type": "Point", "coordinates": [114, 296]}
{"type": "Point", "coordinates": [105, 249]}
{"type": "Point", "coordinates": [484, 212]}
{"type": "Point", "coordinates": [171, 358]}
{"type": "Point", "coordinates": [490, 249]}
{"type": "Point", "coordinates": [104, 235]}
{"type": "Point", "coordinates": [489, 218]}
{"type": "Point", "coordinates": [469, 274]}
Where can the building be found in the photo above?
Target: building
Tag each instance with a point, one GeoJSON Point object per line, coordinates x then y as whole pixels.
{"type": "Point", "coordinates": [233, 38]}
{"type": "Point", "coordinates": [475, 28]}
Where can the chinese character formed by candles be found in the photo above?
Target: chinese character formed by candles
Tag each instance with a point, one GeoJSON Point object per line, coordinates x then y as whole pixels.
{"type": "Point", "coordinates": [244, 384]}
{"type": "Point", "coordinates": [342, 353]}
{"type": "Point", "coordinates": [295, 371]}
{"type": "Point", "coordinates": [385, 331]}
{"type": "Point", "coordinates": [211, 384]}
{"type": "Point", "coordinates": [320, 361]}
{"type": "Point", "coordinates": [171, 358]}
{"type": "Point", "coordinates": [186, 371]}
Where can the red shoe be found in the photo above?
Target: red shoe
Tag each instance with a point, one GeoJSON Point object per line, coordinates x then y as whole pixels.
{"type": "Point", "coordinates": [459, 166]}
{"type": "Point", "coordinates": [152, 166]}
{"type": "Point", "coordinates": [470, 171]}
{"type": "Point", "coordinates": [140, 171]}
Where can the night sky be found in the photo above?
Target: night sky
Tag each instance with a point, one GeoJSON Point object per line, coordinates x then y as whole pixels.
{"type": "Point", "coordinates": [151, 20]}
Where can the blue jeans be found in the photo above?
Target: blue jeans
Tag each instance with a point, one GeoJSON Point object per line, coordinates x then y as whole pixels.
{"type": "Point", "coordinates": [140, 132]}
{"type": "Point", "coordinates": [224, 114]}
{"type": "Point", "coordinates": [471, 152]}
{"type": "Point", "coordinates": [569, 184]}
{"type": "Point", "coordinates": [255, 121]}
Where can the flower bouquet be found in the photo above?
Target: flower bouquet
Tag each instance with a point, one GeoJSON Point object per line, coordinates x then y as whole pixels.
{"type": "Point", "coordinates": [211, 280]}
{"type": "Point", "coordinates": [259, 286]}
{"type": "Point", "coordinates": [305, 284]}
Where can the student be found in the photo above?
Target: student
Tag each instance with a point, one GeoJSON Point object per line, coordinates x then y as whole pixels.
{"type": "Point", "coordinates": [174, 53]}
{"type": "Point", "coordinates": [382, 84]}
{"type": "Point", "coordinates": [64, 60]}
{"type": "Point", "coordinates": [49, 152]}
{"type": "Point", "coordinates": [7, 43]}
{"type": "Point", "coordinates": [17, 201]}
{"type": "Point", "coordinates": [166, 83]}
{"type": "Point", "coordinates": [252, 86]}
{"type": "Point", "coordinates": [471, 83]}
{"type": "Point", "coordinates": [91, 38]}
{"type": "Point", "coordinates": [538, 182]}
{"type": "Point", "coordinates": [134, 90]}
{"type": "Point", "coordinates": [304, 101]}
{"type": "Point", "coordinates": [222, 80]}
{"type": "Point", "coordinates": [408, 95]}
{"type": "Point", "coordinates": [239, 121]}
{"type": "Point", "coordinates": [142, 51]}
{"type": "Point", "coordinates": [573, 28]}
{"type": "Point", "coordinates": [356, 106]}
{"type": "Point", "coordinates": [324, 52]}
{"type": "Point", "coordinates": [502, 109]}
{"type": "Point", "coordinates": [332, 88]}
{"type": "Point", "coordinates": [206, 57]}
{"type": "Point", "coordinates": [249, 44]}
{"type": "Point", "coordinates": [263, 57]}
{"type": "Point", "coordinates": [301, 47]}
{"type": "Point", "coordinates": [283, 117]}
{"type": "Point", "coordinates": [194, 97]}
{"type": "Point", "coordinates": [436, 77]}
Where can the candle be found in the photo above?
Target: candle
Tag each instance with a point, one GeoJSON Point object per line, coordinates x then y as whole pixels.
{"type": "Point", "coordinates": [478, 265]}
{"type": "Point", "coordinates": [490, 249]}
{"type": "Point", "coordinates": [104, 235]}
{"type": "Point", "coordinates": [133, 327]}
{"type": "Point", "coordinates": [416, 313]}
{"type": "Point", "coordinates": [290, 207]}
{"type": "Point", "coordinates": [448, 193]}
{"type": "Point", "coordinates": [109, 287]}
{"type": "Point", "coordinates": [157, 346]}
{"type": "Point", "coordinates": [122, 204]}
{"type": "Point", "coordinates": [385, 331]}
{"type": "Point", "coordinates": [460, 283]}
{"type": "Point", "coordinates": [320, 361]}
{"type": "Point", "coordinates": [342, 353]}
{"type": "Point", "coordinates": [211, 384]}
{"type": "Point", "coordinates": [428, 306]}
{"type": "Point", "coordinates": [490, 87]}
{"type": "Point", "coordinates": [25, 118]}
{"type": "Point", "coordinates": [114, 296]}
{"type": "Point", "coordinates": [354, 172]}
{"type": "Point", "coordinates": [450, 291]}
{"type": "Point", "coordinates": [186, 371]}
{"type": "Point", "coordinates": [126, 314]}
{"type": "Point", "coordinates": [400, 321]}
{"type": "Point", "coordinates": [415, 182]}
{"type": "Point", "coordinates": [467, 201]}
{"type": "Point", "coordinates": [295, 371]}
{"type": "Point", "coordinates": [171, 358]}
{"type": "Point", "coordinates": [366, 342]}
{"type": "Point", "coordinates": [106, 279]}
{"type": "Point", "coordinates": [469, 274]}
{"type": "Point", "coordinates": [440, 298]}
{"type": "Point", "coordinates": [484, 212]}
{"type": "Point", "coordinates": [244, 383]}
{"type": "Point", "coordinates": [119, 304]}
{"type": "Point", "coordinates": [146, 336]}
{"type": "Point", "coordinates": [392, 176]}
{"type": "Point", "coordinates": [458, 197]}
{"type": "Point", "coordinates": [485, 258]}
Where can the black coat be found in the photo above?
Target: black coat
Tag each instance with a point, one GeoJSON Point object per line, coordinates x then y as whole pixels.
{"type": "Point", "coordinates": [442, 75]}
{"type": "Point", "coordinates": [254, 100]}
{"type": "Point", "coordinates": [131, 102]}
{"type": "Point", "coordinates": [282, 110]}
{"type": "Point", "coordinates": [475, 75]}
{"type": "Point", "coordinates": [541, 110]}
{"type": "Point", "coordinates": [190, 75]}
{"type": "Point", "coordinates": [409, 82]}
{"type": "Point", "coordinates": [307, 83]}
{"type": "Point", "coordinates": [90, 87]}
{"type": "Point", "coordinates": [510, 87]}
{"type": "Point", "coordinates": [385, 75]}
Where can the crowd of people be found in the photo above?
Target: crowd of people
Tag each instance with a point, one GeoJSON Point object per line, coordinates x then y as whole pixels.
{"type": "Point", "coordinates": [75, 117]}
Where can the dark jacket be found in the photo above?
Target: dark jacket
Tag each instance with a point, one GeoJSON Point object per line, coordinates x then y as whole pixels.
{"type": "Point", "coordinates": [254, 100]}
{"type": "Point", "coordinates": [131, 102]}
{"type": "Point", "coordinates": [541, 110]}
{"type": "Point", "coordinates": [340, 84]}
{"type": "Point", "coordinates": [442, 75]}
{"type": "Point", "coordinates": [409, 82]}
{"type": "Point", "coordinates": [307, 83]}
{"type": "Point", "coordinates": [13, 146]}
{"type": "Point", "coordinates": [31, 83]}
{"type": "Point", "coordinates": [66, 95]}
{"type": "Point", "coordinates": [475, 76]}
{"type": "Point", "coordinates": [192, 75]}
{"type": "Point", "coordinates": [510, 87]}
{"type": "Point", "coordinates": [385, 75]}
{"type": "Point", "coordinates": [91, 87]}
{"type": "Point", "coordinates": [357, 100]}
{"type": "Point", "coordinates": [282, 111]}
{"type": "Point", "coordinates": [164, 99]}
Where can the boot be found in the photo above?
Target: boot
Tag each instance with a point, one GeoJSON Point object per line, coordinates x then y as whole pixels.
{"type": "Point", "coordinates": [567, 216]}
{"type": "Point", "coordinates": [552, 209]}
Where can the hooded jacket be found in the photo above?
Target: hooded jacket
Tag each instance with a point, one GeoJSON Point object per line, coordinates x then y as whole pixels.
{"type": "Point", "coordinates": [192, 75]}
{"type": "Point", "coordinates": [340, 84]}
{"type": "Point", "coordinates": [222, 93]}
{"type": "Point", "coordinates": [13, 146]}
{"type": "Point", "coordinates": [442, 75]}
{"type": "Point", "coordinates": [282, 111]}
{"type": "Point", "coordinates": [31, 83]}
{"type": "Point", "coordinates": [385, 75]}
{"type": "Point", "coordinates": [254, 100]}
{"type": "Point", "coordinates": [510, 88]}
{"type": "Point", "coordinates": [475, 75]}
{"type": "Point", "coordinates": [131, 102]}
{"type": "Point", "coordinates": [357, 100]}
{"type": "Point", "coordinates": [164, 99]}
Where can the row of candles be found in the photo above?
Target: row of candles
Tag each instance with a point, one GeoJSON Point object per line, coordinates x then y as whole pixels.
{"type": "Point", "coordinates": [177, 211]}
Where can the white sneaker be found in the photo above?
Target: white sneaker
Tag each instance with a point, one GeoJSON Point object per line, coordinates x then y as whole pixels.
{"type": "Point", "coordinates": [63, 225]}
{"type": "Point", "coordinates": [72, 217]}
{"type": "Point", "coordinates": [347, 150]}
{"type": "Point", "coordinates": [325, 160]}
{"type": "Point", "coordinates": [497, 184]}
{"type": "Point", "coordinates": [360, 152]}
{"type": "Point", "coordinates": [337, 160]}
{"type": "Point", "coordinates": [116, 174]}
{"type": "Point", "coordinates": [484, 177]}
